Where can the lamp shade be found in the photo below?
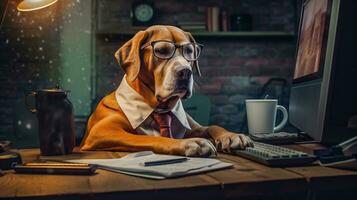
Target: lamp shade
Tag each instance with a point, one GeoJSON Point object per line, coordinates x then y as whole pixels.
{"type": "Point", "coordinates": [30, 5]}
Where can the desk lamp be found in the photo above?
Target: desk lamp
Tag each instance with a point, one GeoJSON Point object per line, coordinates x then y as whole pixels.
{"type": "Point", "coordinates": [30, 5]}
{"type": "Point", "coordinates": [24, 6]}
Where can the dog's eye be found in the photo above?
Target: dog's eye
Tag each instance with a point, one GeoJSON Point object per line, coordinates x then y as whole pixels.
{"type": "Point", "coordinates": [188, 50]}
{"type": "Point", "coordinates": [162, 50]}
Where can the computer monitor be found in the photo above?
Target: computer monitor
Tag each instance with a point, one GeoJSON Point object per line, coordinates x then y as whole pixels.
{"type": "Point", "coordinates": [323, 96]}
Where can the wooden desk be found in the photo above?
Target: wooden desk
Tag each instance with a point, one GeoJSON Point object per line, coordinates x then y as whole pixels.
{"type": "Point", "coordinates": [246, 179]}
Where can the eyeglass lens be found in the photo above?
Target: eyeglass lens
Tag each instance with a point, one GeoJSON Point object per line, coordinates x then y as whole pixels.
{"type": "Point", "coordinates": [165, 50]}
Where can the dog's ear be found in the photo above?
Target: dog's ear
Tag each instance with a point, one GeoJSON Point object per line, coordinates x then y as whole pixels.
{"type": "Point", "coordinates": [128, 56]}
{"type": "Point", "coordinates": [195, 63]}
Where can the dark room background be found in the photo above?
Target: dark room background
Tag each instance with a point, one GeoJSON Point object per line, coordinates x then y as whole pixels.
{"type": "Point", "coordinates": [72, 44]}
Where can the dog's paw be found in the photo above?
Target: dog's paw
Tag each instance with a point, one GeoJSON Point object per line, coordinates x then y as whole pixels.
{"type": "Point", "coordinates": [232, 141]}
{"type": "Point", "coordinates": [198, 147]}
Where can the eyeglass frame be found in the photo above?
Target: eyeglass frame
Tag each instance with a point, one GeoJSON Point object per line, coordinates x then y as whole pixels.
{"type": "Point", "coordinates": [152, 43]}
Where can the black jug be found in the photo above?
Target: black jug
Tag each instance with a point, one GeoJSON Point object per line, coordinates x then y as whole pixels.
{"type": "Point", "coordinates": [55, 119]}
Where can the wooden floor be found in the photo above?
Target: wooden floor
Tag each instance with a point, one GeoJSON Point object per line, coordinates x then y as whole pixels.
{"type": "Point", "coordinates": [246, 179]}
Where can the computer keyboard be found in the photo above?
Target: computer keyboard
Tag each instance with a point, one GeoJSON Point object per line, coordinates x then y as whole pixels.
{"type": "Point", "coordinates": [273, 155]}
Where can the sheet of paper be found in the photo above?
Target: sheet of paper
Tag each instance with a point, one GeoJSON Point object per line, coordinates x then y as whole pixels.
{"type": "Point", "coordinates": [132, 164]}
{"type": "Point", "coordinates": [218, 166]}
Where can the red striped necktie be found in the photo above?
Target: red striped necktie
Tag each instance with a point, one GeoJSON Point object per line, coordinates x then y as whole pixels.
{"type": "Point", "coordinates": [164, 122]}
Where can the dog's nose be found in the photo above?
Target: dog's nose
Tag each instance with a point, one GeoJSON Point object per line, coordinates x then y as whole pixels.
{"type": "Point", "coordinates": [184, 74]}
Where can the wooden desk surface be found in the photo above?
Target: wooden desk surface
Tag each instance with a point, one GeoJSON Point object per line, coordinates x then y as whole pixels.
{"type": "Point", "coordinates": [245, 179]}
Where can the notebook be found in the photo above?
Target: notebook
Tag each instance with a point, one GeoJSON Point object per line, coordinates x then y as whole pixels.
{"type": "Point", "coordinates": [134, 164]}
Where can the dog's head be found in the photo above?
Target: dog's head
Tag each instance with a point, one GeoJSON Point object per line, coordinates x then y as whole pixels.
{"type": "Point", "coordinates": [148, 58]}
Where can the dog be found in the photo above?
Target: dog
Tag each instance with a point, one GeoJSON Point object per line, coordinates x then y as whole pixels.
{"type": "Point", "coordinates": [146, 112]}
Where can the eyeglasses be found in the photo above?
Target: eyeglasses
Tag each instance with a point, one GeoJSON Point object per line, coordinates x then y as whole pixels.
{"type": "Point", "coordinates": [166, 49]}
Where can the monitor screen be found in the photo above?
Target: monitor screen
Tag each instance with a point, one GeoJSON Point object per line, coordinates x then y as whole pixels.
{"type": "Point", "coordinates": [311, 43]}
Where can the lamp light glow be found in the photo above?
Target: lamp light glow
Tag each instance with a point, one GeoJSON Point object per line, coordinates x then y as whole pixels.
{"type": "Point", "coordinates": [30, 5]}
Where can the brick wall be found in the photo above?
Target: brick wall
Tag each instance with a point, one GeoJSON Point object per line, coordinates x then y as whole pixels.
{"type": "Point", "coordinates": [233, 68]}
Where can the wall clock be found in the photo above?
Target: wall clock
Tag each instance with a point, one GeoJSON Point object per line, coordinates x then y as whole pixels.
{"type": "Point", "coordinates": [142, 13]}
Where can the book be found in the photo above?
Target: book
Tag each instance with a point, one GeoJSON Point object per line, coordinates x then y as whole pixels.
{"type": "Point", "coordinates": [209, 18]}
{"type": "Point", "coordinates": [215, 19]}
{"type": "Point", "coordinates": [134, 164]}
{"type": "Point", "coordinates": [350, 164]}
{"type": "Point", "coordinates": [224, 21]}
{"type": "Point", "coordinates": [188, 23]}
{"type": "Point", "coordinates": [192, 25]}
{"type": "Point", "coordinates": [193, 28]}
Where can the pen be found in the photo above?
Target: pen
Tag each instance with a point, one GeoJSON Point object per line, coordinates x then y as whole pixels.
{"type": "Point", "coordinates": [164, 162]}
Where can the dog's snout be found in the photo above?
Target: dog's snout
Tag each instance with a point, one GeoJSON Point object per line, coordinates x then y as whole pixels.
{"type": "Point", "coordinates": [184, 74]}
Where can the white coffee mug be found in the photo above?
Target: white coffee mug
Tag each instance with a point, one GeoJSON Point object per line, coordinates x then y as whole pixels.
{"type": "Point", "coordinates": [261, 114]}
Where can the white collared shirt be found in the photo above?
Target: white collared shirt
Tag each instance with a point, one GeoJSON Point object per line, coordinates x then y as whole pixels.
{"type": "Point", "coordinates": [139, 113]}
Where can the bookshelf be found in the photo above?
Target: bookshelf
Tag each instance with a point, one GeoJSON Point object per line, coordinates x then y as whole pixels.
{"type": "Point", "coordinates": [216, 35]}
{"type": "Point", "coordinates": [201, 19]}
